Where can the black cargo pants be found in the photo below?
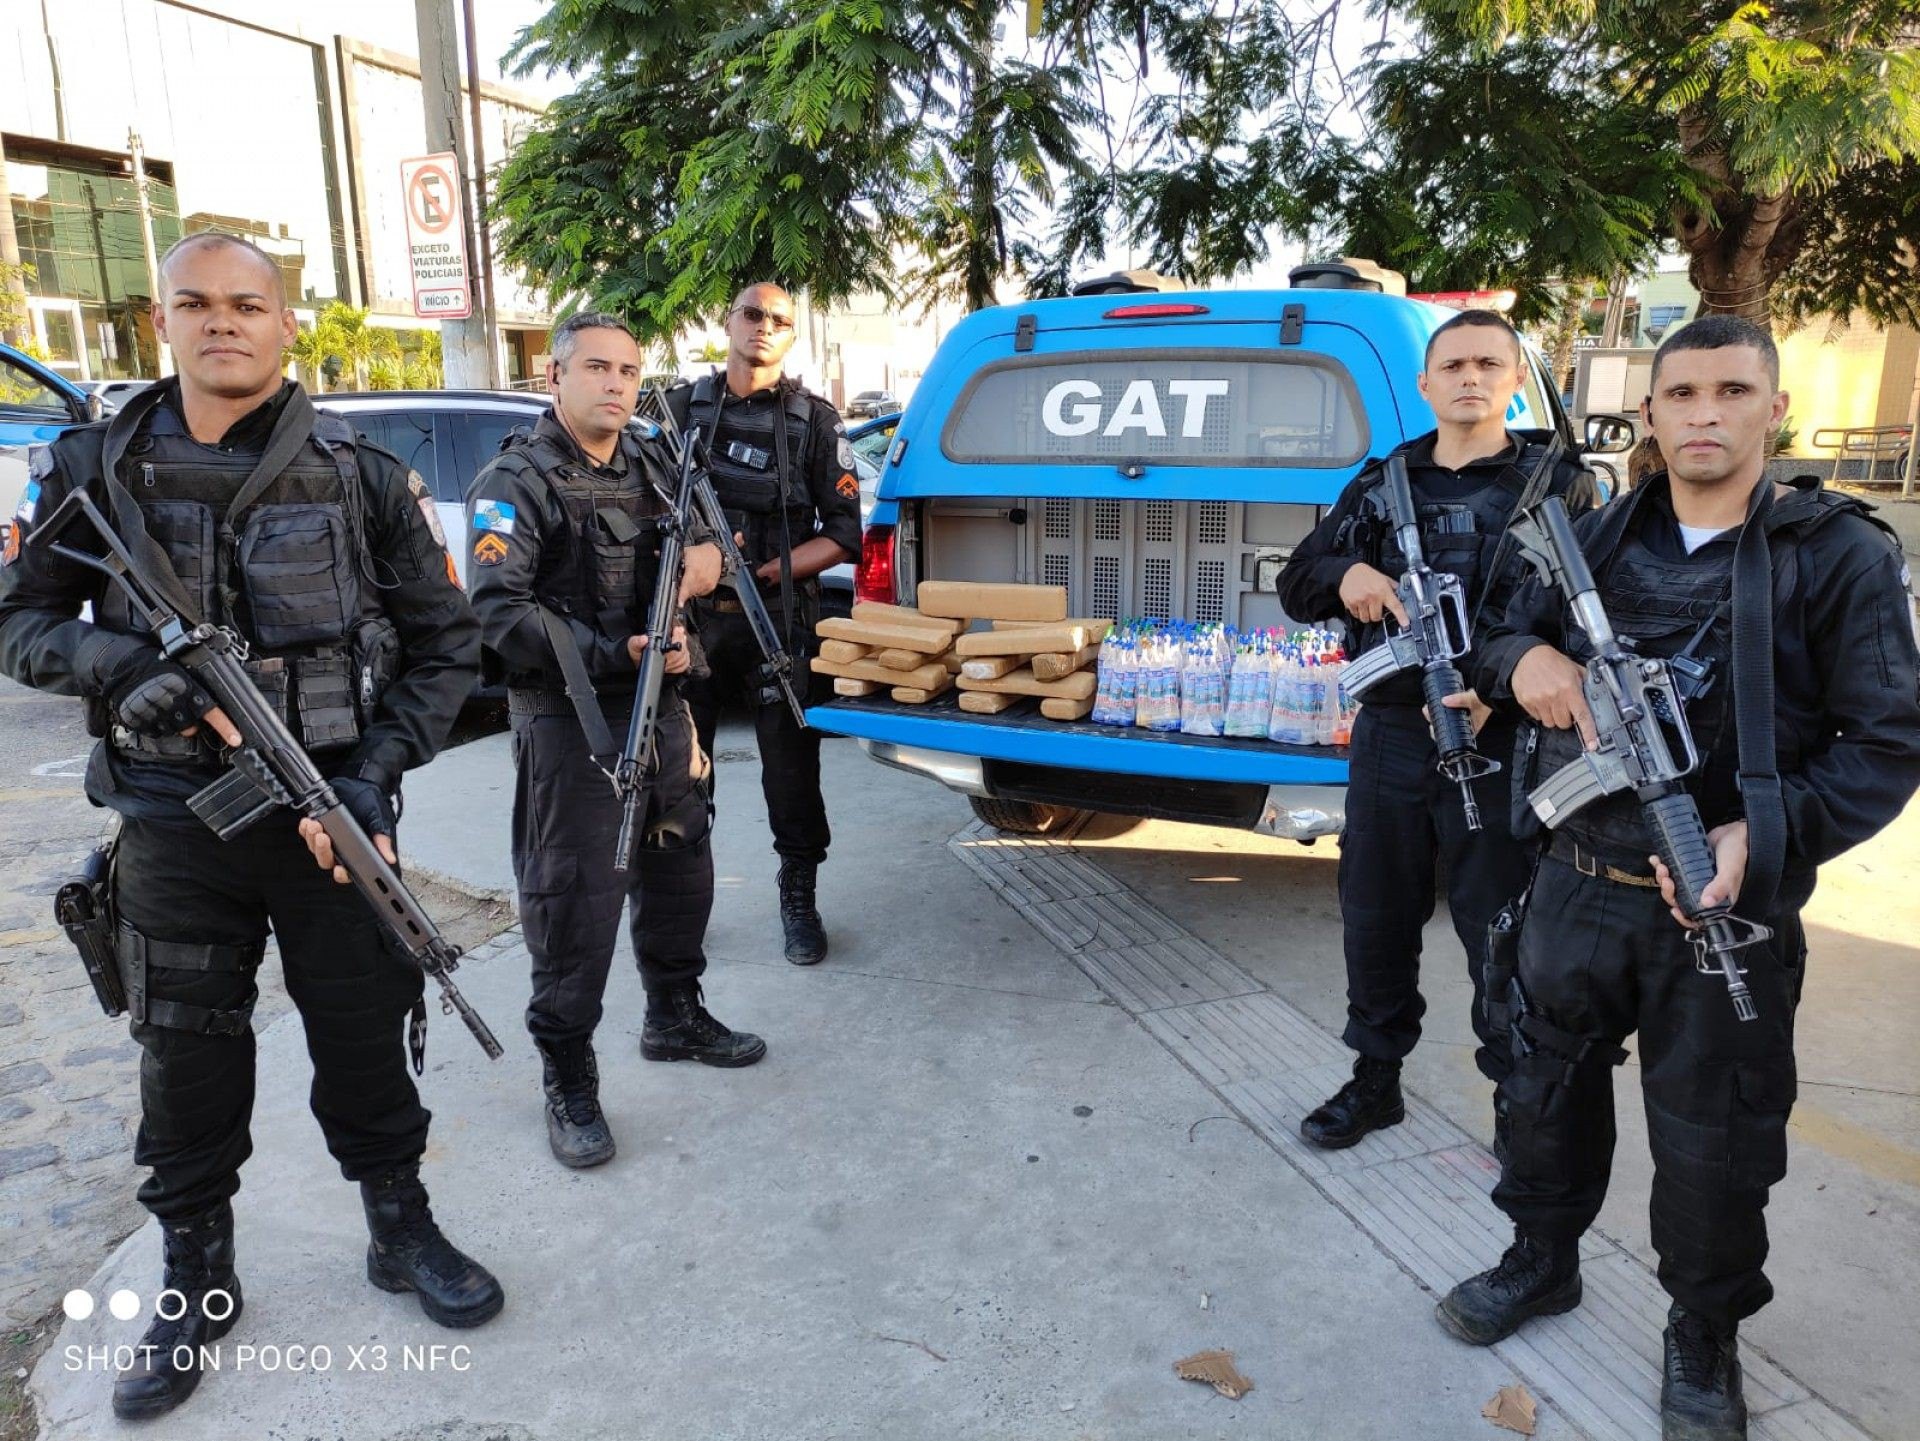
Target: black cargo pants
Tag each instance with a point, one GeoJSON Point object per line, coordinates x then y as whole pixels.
{"type": "Point", "coordinates": [789, 754]}
{"type": "Point", "coordinates": [565, 822]}
{"type": "Point", "coordinates": [194, 911]}
{"type": "Point", "coordinates": [1598, 961]}
{"type": "Point", "coordinates": [1403, 818]}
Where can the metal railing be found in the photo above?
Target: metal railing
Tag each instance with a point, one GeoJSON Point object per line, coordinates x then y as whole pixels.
{"type": "Point", "coordinates": [1873, 444]}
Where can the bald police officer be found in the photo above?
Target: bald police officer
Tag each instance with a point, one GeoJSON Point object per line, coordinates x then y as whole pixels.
{"type": "Point", "coordinates": [783, 470]}
{"type": "Point", "coordinates": [323, 555]}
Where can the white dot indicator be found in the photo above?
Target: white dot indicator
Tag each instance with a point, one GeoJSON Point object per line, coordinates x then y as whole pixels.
{"type": "Point", "coordinates": [77, 1304]}
{"type": "Point", "coordinates": [124, 1305]}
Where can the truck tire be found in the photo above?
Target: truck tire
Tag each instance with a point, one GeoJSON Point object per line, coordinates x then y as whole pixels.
{"type": "Point", "coordinates": [1021, 818]}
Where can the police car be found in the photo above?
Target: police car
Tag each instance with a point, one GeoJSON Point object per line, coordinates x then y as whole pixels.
{"type": "Point", "coordinates": [36, 404]}
{"type": "Point", "coordinates": [1158, 455]}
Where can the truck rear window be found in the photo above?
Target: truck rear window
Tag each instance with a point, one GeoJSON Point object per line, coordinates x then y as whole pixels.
{"type": "Point", "coordinates": [1185, 407]}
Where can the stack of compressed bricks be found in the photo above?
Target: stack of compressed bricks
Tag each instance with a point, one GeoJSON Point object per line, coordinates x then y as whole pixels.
{"type": "Point", "coordinates": [1031, 649]}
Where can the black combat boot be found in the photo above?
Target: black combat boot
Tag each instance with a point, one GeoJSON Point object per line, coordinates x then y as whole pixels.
{"type": "Point", "coordinates": [409, 1253]}
{"type": "Point", "coordinates": [1700, 1397]}
{"type": "Point", "coordinates": [576, 1129]}
{"type": "Point", "coordinates": [806, 935]}
{"type": "Point", "coordinates": [199, 1267]}
{"type": "Point", "coordinates": [679, 1028]}
{"type": "Point", "coordinates": [1534, 1278]}
{"type": "Point", "coordinates": [1368, 1102]}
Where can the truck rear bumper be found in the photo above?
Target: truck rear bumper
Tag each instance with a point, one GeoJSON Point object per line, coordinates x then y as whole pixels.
{"type": "Point", "coordinates": [1294, 792]}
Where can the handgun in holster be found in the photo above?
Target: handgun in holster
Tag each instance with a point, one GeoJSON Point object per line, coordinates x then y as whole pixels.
{"type": "Point", "coordinates": [84, 908]}
{"type": "Point", "coordinates": [1501, 970]}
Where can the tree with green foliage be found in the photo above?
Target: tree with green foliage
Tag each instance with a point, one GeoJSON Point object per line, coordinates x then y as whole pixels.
{"type": "Point", "coordinates": [900, 146]}
{"type": "Point", "coordinates": [1777, 146]}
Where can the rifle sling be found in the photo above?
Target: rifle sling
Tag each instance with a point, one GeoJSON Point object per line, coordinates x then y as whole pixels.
{"type": "Point", "coordinates": [1753, 696]}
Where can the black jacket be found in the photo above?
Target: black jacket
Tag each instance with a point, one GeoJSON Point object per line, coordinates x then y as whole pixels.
{"type": "Point", "coordinates": [1348, 535]}
{"type": "Point", "coordinates": [45, 644]}
{"type": "Point", "coordinates": [1846, 674]}
{"type": "Point", "coordinates": [540, 558]}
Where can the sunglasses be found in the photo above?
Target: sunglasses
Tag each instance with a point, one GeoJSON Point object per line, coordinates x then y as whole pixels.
{"type": "Point", "coordinates": [756, 316]}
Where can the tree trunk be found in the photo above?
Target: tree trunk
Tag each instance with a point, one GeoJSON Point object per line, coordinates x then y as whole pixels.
{"type": "Point", "coordinates": [1739, 243]}
{"type": "Point", "coordinates": [1566, 330]}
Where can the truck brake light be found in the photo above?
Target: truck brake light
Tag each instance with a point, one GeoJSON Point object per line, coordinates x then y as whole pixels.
{"type": "Point", "coordinates": [873, 577]}
{"type": "Point", "coordinates": [1153, 310]}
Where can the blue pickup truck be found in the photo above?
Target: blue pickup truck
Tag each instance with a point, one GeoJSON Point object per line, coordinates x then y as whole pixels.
{"type": "Point", "coordinates": [1157, 454]}
{"type": "Point", "coordinates": [36, 404]}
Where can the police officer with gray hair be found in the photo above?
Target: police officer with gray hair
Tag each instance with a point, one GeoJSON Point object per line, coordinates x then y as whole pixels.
{"type": "Point", "coordinates": [323, 556]}
{"type": "Point", "coordinates": [562, 569]}
{"type": "Point", "coordinates": [783, 470]}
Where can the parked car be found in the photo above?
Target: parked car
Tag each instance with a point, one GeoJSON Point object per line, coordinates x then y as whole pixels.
{"type": "Point", "coordinates": [113, 393]}
{"type": "Point", "coordinates": [36, 404]}
{"type": "Point", "coordinates": [1156, 455]}
{"type": "Point", "coordinates": [871, 403]}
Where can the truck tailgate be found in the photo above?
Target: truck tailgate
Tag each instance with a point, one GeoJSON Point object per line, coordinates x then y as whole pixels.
{"type": "Point", "coordinates": [1022, 734]}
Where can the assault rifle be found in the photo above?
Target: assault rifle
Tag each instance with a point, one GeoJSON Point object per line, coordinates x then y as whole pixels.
{"type": "Point", "coordinates": [1437, 634]}
{"type": "Point", "coordinates": [777, 669]}
{"type": "Point", "coordinates": [637, 756]}
{"type": "Point", "coordinates": [1645, 746]}
{"type": "Point", "coordinates": [270, 768]}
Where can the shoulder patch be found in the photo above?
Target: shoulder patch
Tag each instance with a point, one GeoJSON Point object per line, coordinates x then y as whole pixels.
{"type": "Point", "coordinates": [489, 548]}
{"type": "Point", "coordinates": [848, 487]}
{"type": "Point", "coordinates": [495, 516]}
{"type": "Point", "coordinates": [429, 512]}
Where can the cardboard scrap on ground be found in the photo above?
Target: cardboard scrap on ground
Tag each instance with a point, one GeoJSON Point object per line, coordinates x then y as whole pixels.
{"type": "Point", "coordinates": [844, 686]}
{"type": "Point", "coordinates": [1513, 1409]}
{"type": "Point", "coordinates": [1216, 1368]}
{"type": "Point", "coordinates": [842, 652]}
{"type": "Point", "coordinates": [932, 673]}
{"type": "Point", "coordinates": [989, 600]}
{"type": "Point", "coordinates": [883, 634]}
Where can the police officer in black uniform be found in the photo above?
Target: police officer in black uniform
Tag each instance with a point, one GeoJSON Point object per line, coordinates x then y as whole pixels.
{"type": "Point", "coordinates": [783, 470]}
{"type": "Point", "coordinates": [562, 571]}
{"type": "Point", "coordinates": [323, 554]}
{"type": "Point", "coordinates": [1467, 477]}
{"type": "Point", "coordinates": [1691, 565]}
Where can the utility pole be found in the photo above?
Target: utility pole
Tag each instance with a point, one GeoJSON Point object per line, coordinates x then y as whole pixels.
{"type": "Point", "coordinates": [138, 154]}
{"type": "Point", "coordinates": [482, 232]}
{"type": "Point", "coordinates": [467, 355]}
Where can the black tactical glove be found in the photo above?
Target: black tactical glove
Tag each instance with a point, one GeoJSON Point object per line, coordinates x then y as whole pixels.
{"type": "Point", "coordinates": [161, 699]}
{"type": "Point", "coordinates": [368, 802]}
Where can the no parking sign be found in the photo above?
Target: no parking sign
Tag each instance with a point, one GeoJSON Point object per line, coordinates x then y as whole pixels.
{"type": "Point", "coordinates": [436, 238]}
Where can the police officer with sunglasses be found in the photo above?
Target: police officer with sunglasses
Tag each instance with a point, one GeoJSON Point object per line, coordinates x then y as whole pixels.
{"type": "Point", "coordinates": [783, 469]}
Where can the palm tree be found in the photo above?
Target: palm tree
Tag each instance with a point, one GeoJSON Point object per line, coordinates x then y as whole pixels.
{"type": "Point", "coordinates": [357, 343]}
{"type": "Point", "coordinates": [312, 348]}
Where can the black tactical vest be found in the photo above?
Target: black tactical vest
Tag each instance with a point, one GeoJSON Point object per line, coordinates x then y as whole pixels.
{"type": "Point", "coordinates": [752, 477]}
{"type": "Point", "coordinates": [598, 575]}
{"type": "Point", "coordinates": [1661, 608]}
{"type": "Point", "coordinates": [290, 574]}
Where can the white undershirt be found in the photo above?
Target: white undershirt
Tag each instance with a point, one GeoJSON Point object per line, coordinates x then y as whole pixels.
{"type": "Point", "coordinates": [1695, 536]}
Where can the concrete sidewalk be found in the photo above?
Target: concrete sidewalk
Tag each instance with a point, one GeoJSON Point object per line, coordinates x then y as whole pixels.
{"type": "Point", "coordinates": [1022, 1143]}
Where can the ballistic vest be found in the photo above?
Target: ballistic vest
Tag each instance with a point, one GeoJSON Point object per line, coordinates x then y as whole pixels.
{"type": "Point", "coordinates": [753, 481]}
{"type": "Point", "coordinates": [597, 575]}
{"type": "Point", "coordinates": [290, 573]}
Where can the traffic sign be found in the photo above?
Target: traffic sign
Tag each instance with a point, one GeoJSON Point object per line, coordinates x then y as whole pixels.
{"type": "Point", "coordinates": [436, 238]}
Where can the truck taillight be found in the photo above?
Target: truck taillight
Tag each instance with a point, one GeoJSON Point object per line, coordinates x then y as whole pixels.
{"type": "Point", "coordinates": [873, 577]}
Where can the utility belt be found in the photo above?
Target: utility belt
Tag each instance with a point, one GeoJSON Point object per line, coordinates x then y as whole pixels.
{"type": "Point", "coordinates": [531, 701]}
{"type": "Point", "coordinates": [1565, 848]}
